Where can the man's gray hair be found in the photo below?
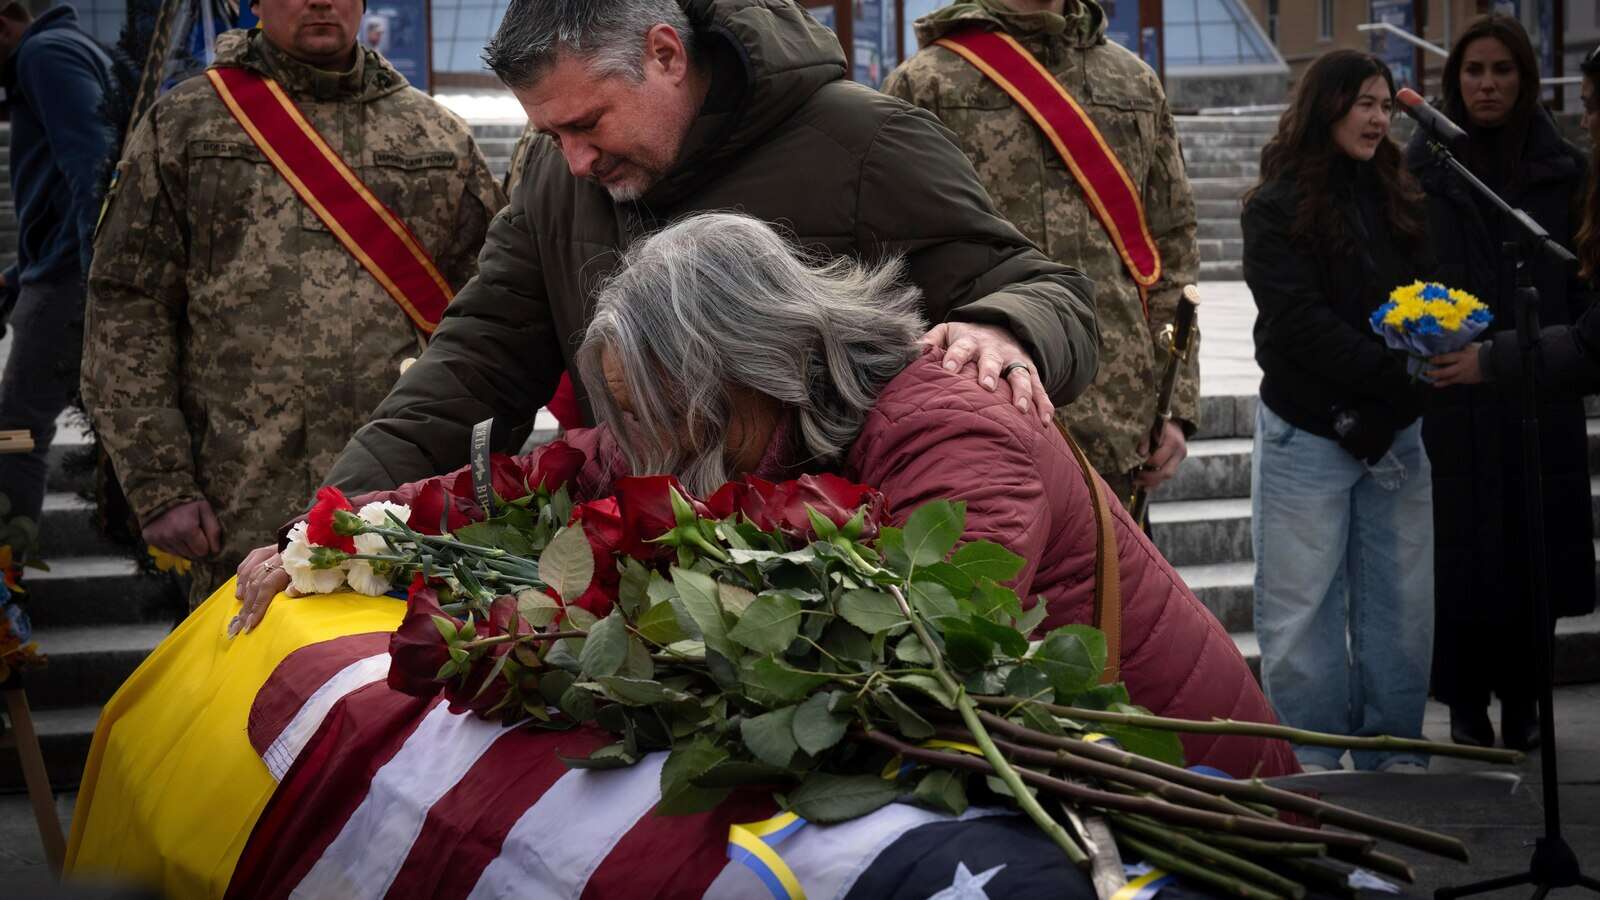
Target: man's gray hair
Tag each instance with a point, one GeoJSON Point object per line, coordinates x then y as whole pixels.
{"type": "Point", "coordinates": [606, 34]}
{"type": "Point", "coordinates": [720, 302]}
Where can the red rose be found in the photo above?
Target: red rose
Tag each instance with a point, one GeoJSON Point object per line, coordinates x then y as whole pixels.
{"type": "Point", "coordinates": [645, 503]}
{"type": "Point", "coordinates": [433, 503]}
{"type": "Point", "coordinates": [602, 526]}
{"type": "Point", "coordinates": [552, 465]}
{"type": "Point", "coordinates": [835, 499]}
{"type": "Point", "coordinates": [748, 496]}
{"type": "Point", "coordinates": [506, 477]}
{"type": "Point", "coordinates": [319, 524]}
{"type": "Point", "coordinates": [469, 693]}
{"type": "Point", "coordinates": [416, 649]}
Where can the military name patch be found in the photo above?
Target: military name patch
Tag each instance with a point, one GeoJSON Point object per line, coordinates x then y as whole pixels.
{"type": "Point", "coordinates": [225, 148]}
{"type": "Point", "coordinates": [417, 161]}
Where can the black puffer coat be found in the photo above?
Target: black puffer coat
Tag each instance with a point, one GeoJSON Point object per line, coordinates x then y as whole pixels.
{"type": "Point", "coordinates": [1473, 432]}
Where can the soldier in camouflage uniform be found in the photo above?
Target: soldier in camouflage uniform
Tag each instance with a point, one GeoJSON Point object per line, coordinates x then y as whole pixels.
{"type": "Point", "coordinates": [1031, 185]}
{"type": "Point", "coordinates": [232, 343]}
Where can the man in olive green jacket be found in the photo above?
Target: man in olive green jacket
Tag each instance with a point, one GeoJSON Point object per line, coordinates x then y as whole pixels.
{"type": "Point", "coordinates": [712, 105]}
{"type": "Point", "coordinates": [1031, 186]}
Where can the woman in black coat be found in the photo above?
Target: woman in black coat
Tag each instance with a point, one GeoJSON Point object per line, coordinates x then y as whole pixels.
{"type": "Point", "coordinates": [1483, 637]}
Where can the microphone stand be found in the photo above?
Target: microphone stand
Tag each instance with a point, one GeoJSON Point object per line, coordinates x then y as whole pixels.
{"type": "Point", "coordinates": [1554, 864]}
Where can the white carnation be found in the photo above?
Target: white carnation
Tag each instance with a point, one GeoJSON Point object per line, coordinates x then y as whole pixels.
{"type": "Point", "coordinates": [363, 580]}
{"type": "Point", "coordinates": [302, 575]}
{"type": "Point", "coordinates": [377, 513]}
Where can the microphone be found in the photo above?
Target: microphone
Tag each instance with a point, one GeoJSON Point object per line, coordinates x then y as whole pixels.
{"type": "Point", "coordinates": [1435, 123]}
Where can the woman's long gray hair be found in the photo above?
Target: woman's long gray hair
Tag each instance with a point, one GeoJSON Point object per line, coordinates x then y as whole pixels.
{"type": "Point", "coordinates": [720, 301]}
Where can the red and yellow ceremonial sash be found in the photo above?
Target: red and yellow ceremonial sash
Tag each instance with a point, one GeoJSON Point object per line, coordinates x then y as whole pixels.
{"type": "Point", "coordinates": [1099, 173]}
{"type": "Point", "coordinates": [373, 234]}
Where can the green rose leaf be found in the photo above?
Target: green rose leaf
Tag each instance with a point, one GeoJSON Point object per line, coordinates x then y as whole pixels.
{"type": "Point", "coordinates": [1066, 659]}
{"type": "Point", "coordinates": [537, 607]}
{"type": "Point", "coordinates": [942, 789]}
{"type": "Point", "coordinates": [498, 535]}
{"type": "Point", "coordinates": [769, 680]}
{"type": "Point", "coordinates": [738, 773]}
{"type": "Point", "coordinates": [929, 685]}
{"type": "Point", "coordinates": [679, 795]}
{"type": "Point", "coordinates": [1039, 720]}
{"type": "Point", "coordinates": [633, 593]}
{"type": "Point", "coordinates": [816, 728]}
{"type": "Point", "coordinates": [870, 611]}
{"type": "Point", "coordinates": [639, 692]}
{"type": "Point", "coordinates": [697, 599]}
{"type": "Point", "coordinates": [606, 647]}
{"type": "Point", "coordinates": [638, 665]}
{"type": "Point", "coordinates": [849, 645]}
{"type": "Point", "coordinates": [1094, 640]}
{"type": "Point", "coordinates": [1159, 745]}
{"type": "Point", "coordinates": [611, 756]}
{"type": "Point", "coordinates": [770, 737]}
{"type": "Point", "coordinates": [995, 602]}
{"type": "Point", "coordinates": [911, 650]}
{"type": "Point", "coordinates": [577, 703]}
{"type": "Point", "coordinates": [891, 545]}
{"type": "Point", "coordinates": [933, 529]}
{"type": "Point", "coordinates": [735, 599]}
{"type": "Point", "coordinates": [659, 625]}
{"type": "Point", "coordinates": [1030, 620]}
{"type": "Point", "coordinates": [1010, 641]}
{"type": "Point", "coordinates": [823, 797]}
{"type": "Point", "coordinates": [554, 683]}
{"type": "Point", "coordinates": [964, 647]}
{"type": "Point", "coordinates": [908, 721]}
{"type": "Point", "coordinates": [984, 559]}
{"type": "Point", "coordinates": [1029, 683]}
{"type": "Point", "coordinates": [951, 577]}
{"type": "Point", "coordinates": [769, 623]}
{"type": "Point", "coordinates": [1103, 696]}
{"type": "Point", "coordinates": [567, 564]}
{"type": "Point", "coordinates": [933, 600]}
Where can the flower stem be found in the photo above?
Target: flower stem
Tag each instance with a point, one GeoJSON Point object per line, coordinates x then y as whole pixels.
{"type": "Point", "coordinates": [1262, 729]}
{"type": "Point", "coordinates": [1002, 768]}
{"type": "Point", "coordinates": [1254, 790]}
{"type": "Point", "coordinates": [532, 638]}
{"type": "Point", "coordinates": [1213, 857]}
{"type": "Point", "coordinates": [1172, 862]}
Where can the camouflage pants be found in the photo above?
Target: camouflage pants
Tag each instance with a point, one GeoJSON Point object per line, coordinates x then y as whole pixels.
{"type": "Point", "coordinates": [208, 575]}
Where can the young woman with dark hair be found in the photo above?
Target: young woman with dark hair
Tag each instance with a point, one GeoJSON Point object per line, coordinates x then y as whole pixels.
{"type": "Point", "coordinates": [1342, 521]}
{"type": "Point", "coordinates": [1472, 424]}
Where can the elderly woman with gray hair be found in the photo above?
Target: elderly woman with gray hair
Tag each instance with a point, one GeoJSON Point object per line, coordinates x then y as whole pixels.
{"type": "Point", "coordinates": [725, 352]}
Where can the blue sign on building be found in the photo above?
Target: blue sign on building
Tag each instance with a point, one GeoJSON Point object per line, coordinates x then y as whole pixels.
{"type": "Point", "coordinates": [399, 30]}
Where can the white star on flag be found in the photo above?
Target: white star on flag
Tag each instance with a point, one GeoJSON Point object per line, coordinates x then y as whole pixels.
{"type": "Point", "coordinates": [966, 885]}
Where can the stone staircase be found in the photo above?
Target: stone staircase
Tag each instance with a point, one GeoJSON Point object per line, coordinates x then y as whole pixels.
{"type": "Point", "coordinates": [1223, 157]}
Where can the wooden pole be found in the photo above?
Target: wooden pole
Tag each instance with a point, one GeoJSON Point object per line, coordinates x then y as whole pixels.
{"type": "Point", "coordinates": [36, 777]}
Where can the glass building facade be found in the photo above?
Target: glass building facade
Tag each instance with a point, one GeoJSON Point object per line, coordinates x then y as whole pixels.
{"type": "Point", "coordinates": [1214, 33]}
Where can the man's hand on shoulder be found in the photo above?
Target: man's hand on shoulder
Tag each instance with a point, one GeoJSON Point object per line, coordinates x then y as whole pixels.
{"type": "Point", "coordinates": [189, 530]}
{"type": "Point", "coordinates": [994, 351]}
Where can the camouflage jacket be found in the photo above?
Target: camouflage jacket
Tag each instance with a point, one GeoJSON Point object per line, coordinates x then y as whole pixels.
{"type": "Point", "coordinates": [232, 344]}
{"type": "Point", "coordinates": [1031, 185]}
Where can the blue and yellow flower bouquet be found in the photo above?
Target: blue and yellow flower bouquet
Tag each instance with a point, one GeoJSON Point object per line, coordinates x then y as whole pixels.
{"type": "Point", "coordinates": [1424, 319]}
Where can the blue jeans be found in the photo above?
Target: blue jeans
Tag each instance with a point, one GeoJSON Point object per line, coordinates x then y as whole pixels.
{"type": "Point", "coordinates": [1343, 587]}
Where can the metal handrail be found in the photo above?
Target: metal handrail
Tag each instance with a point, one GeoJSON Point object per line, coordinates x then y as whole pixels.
{"type": "Point", "coordinates": [1404, 35]}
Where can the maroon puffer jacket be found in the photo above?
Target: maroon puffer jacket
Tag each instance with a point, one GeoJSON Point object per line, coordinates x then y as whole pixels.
{"type": "Point", "coordinates": [935, 434]}
{"type": "Point", "coordinates": [938, 434]}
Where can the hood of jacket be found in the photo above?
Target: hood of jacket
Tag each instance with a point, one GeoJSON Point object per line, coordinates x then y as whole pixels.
{"type": "Point", "coordinates": [370, 78]}
{"type": "Point", "coordinates": [766, 60]}
{"type": "Point", "coordinates": [54, 19]}
{"type": "Point", "coordinates": [1083, 23]}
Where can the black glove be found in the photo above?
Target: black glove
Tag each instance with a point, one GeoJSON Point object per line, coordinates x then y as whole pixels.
{"type": "Point", "coordinates": [1365, 432]}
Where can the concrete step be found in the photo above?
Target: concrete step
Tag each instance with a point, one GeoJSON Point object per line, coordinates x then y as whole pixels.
{"type": "Point", "coordinates": [1219, 228]}
{"type": "Point", "coordinates": [483, 131]}
{"type": "Point", "coordinates": [64, 738]}
{"type": "Point", "coordinates": [100, 590]}
{"type": "Point", "coordinates": [1221, 270]}
{"type": "Point", "coordinates": [1229, 169]}
{"type": "Point", "coordinates": [1224, 210]}
{"type": "Point", "coordinates": [88, 663]}
{"type": "Point", "coordinates": [67, 527]}
{"type": "Point", "coordinates": [1220, 188]}
{"type": "Point", "coordinates": [1244, 152]}
{"type": "Point", "coordinates": [1262, 125]}
{"type": "Point", "coordinates": [1227, 416]}
{"type": "Point", "coordinates": [1221, 249]}
{"type": "Point", "coordinates": [1197, 141]}
{"type": "Point", "coordinates": [1198, 532]}
{"type": "Point", "coordinates": [1215, 468]}
{"type": "Point", "coordinates": [497, 148]}
{"type": "Point", "coordinates": [71, 440]}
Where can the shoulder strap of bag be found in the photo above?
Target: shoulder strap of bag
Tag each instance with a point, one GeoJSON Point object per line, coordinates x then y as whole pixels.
{"type": "Point", "coordinates": [1107, 575]}
{"type": "Point", "coordinates": [373, 234]}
